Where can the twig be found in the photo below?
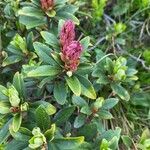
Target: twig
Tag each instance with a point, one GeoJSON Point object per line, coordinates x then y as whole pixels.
{"type": "Point", "coordinates": [80, 36]}
{"type": "Point", "coordinates": [141, 61]}
{"type": "Point", "coordinates": [142, 30]}
{"type": "Point", "coordinates": [111, 54]}
{"type": "Point", "coordinates": [138, 59]}
{"type": "Point", "coordinates": [109, 18]}
{"type": "Point", "coordinates": [100, 40]}
{"type": "Point", "coordinates": [146, 88]}
{"type": "Point", "coordinates": [147, 27]}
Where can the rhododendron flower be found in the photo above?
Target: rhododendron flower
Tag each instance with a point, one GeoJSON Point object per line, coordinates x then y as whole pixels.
{"type": "Point", "coordinates": [71, 55]}
{"type": "Point", "coordinates": [47, 4]}
{"type": "Point", "coordinates": [67, 34]}
{"type": "Point", "coordinates": [71, 49]}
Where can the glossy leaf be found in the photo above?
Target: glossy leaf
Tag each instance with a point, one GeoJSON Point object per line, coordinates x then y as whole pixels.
{"type": "Point", "coordinates": [4, 107]}
{"type": "Point", "coordinates": [43, 71]}
{"type": "Point", "coordinates": [79, 121]}
{"type": "Point", "coordinates": [18, 83]}
{"type": "Point", "coordinates": [120, 91]}
{"type": "Point", "coordinates": [60, 92]}
{"type": "Point", "coordinates": [49, 134]}
{"type": "Point", "coordinates": [50, 38]}
{"type": "Point", "coordinates": [16, 122]}
{"type": "Point", "coordinates": [42, 118]}
{"type": "Point", "coordinates": [85, 42]}
{"type": "Point", "coordinates": [87, 88]}
{"type": "Point", "coordinates": [110, 103]}
{"type": "Point", "coordinates": [4, 132]}
{"type": "Point", "coordinates": [69, 142]}
{"type": "Point", "coordinates": [63, 115]}
{"type": "Point", "coordinates": [43, 52]}
{"type": "Point", "coordinates": [74, 85]}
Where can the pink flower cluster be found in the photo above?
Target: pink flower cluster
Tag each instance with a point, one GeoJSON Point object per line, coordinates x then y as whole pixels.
{"type": "Point", "coordinates": [47, 4]}
{"type": "Point", "coordinates": [71, 49]}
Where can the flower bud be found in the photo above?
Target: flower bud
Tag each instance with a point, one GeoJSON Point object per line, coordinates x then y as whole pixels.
{"type": "Point", "coordinates": [71, 49]}
{"type": "Point", "coordinates": [47, 4]}
{"type": "Point", "coordinates": [71, 55]}
{"type": "Point", "coordinates": [38, 140]}
{"type": "Point", "coordinates": [67, 34]}
{"type": "Point", "coordinates": [24, 106]}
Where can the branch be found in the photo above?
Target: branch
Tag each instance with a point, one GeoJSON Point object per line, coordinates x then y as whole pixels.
{"type": "Point", "coordinates": [100, 40]}
{"type": "Point", "coordinates": [138, 59]}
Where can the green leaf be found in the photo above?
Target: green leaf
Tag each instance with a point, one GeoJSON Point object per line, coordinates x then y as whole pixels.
{"type": "Point", "coordinates": [4, 132]}
{"type": "Point", "coordinates": [20, 135]}
{"type": "Point", "coordinates": [68, 142]}
{"type": "Point", "coordinates": [20, 43]}
{"type": "Point", "coordinates": [74, 85]}
{"type": "Point", "coordinates": [57, 58]}
{"type": "Point", "coordinates": [141, 99]}
{"type": "Point", "coordinates": [120, 91]}
{"type": "Point", "coordinates": [145, 135]}
{"type": "Point", "coordinates": [50, 109]}
{"type": "Point", "coordinates": [16, 122]}
{"type": "Point", "coordinates": [110, 103]}
{"type": "Point", "coordinates": [109, 65]}
{"type": "Point", "coordinates": [78, 101]}
{"type": "Point", "coordinates": [86, 110]}
{"type": "Point", "coordinates": [87, 88]}
{"type": "Point", "coordinates": [29, 41]}
{"type": "Point", "coordinates": [51, 13]}
{"type": "Point", "coordinates": [42, 118]}
{"type": "Point", "coordinates": [31, 12]}
{"type": "Point", "coordinates": [66, 15]}
{"type": "Point", "coordinates": [4, 107]}
{"type": "Point", "coordinates": [85, 42]}
{"type": "Point", "coordinates": [50, 39]}
{"type": "Point", "coordinates": [126, 140]}
{"type": "Point", "coordinates": [15, 49]}
{"type": "Point", "coordinates": [11, 60]}
{"type": "Point", "coordinates": [31, 17]}
{"type": "Point", "coordinates": [43, 71]}
{"type": "Point", "coordinates": [61, 2]}
{"type": "Point", "coordinates": [69, 8]}
{"type": "Point", "coordinates": [19, 85]}
{"type": "Point", "coordinates": [104, 145]}
{"type": "Point", "coordinates": [84, 68]}
{"type": "Point", "coordinates": [109, 135]}
{"type": "Point", "coordinates": [60, 92]}
{"type": "Point", "coordinates": [44, 53]}
{"type": "Point", "coordinates": [31, 22]}
{"type": "Point", "coordinates": [60, 25]}
{"type": "Point", "coordinates": [13, 96]}
{"type": "Point", "coordinates": [104, 114]}
{"type": "Point", "coordinates": [79, 121]}
{"type": "Point", "coordinates": [45, 81]}
{"type": "Point", "coordinates": [16, 145]}
{"type": "Point", "coordinates": [3, 93]}
{"type": "Point", "coordinates": [49, 134]}
{"type": "Point", "coordinates": [89, 131]}
{"type": "Point", "coordinates": [103, 79]}
{"type": "Point", "coordinates": [63, 115]}
{"type": "Point", "coordinates": [98, 103]}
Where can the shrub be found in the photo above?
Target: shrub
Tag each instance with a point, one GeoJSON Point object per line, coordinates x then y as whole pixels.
{"type": "Point", "coordinates": [57, 91]}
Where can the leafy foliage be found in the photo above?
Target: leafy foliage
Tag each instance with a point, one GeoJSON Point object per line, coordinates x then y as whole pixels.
{"type": "Point", "coordinates": [63, 89]}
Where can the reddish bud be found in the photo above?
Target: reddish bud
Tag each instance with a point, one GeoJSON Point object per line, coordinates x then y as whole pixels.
{"type": "Point", "coordinates": [47, 4]}
{"type": "Point", "coordinates": [71, 55]}
{"type": "Point", "coordinates": [67, 34]}
{"type": "Point", "coordinates": [71, 49]}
